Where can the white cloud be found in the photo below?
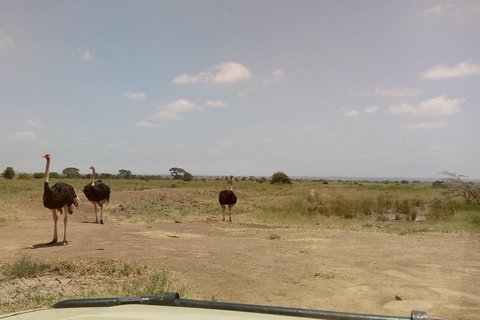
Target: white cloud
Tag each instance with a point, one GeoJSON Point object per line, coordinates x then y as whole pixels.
{"type": "Point", "coordinates": [214, 151]}
{"type": "Point", "coordinates": [439, 10]}
{"type": "Point", "coordinates": [426, 125]}
{"type": "Point", "coordinates": [392, 92]}
{"type": "Point", "coordinates": [174, 110]}
{"type": "Point", "coordinates": [459, 11]}
{"type": "Point", "coordinates": [349, 112]}
{"type": "Point", "coordinates": [463, 69]}
{"type": "Point", "coordinates": [276, 76]}
{"type": "Point", "coordinates": [185, 78]}
{"type": "Point", "coordinates": [440, 106]}
{"type": "Point", "coordinates": [147, 124]}
{"type": "Point", "coordinates": [166, 115]}
{"type": "Point", "coordinates": [215, 104]}
{"type": "Point", "coordinates": [86, 55]}
{"type": "Point", "coordinates": [21, 136]}
{"type": "Point", "coordinates": [5, 42]}
{"type": "Point", "coordinates": [226, 72]}
{"type": "Point", "coordinates": [34, 123]}
{"type": "Point", "coordinates": [134, 95]}
{"type": "Point", "coordinates": [223, 143]}
{"type": "Point", "coordinates": [179, 106]}
{"type": "Point", "coordinates": [370, 110]}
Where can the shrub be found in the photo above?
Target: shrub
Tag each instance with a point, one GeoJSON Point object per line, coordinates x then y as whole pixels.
{"type": "Point", "coordinates": [9, 173]}
{"type": "Point", "coordinates": [24, 176]}
{"type": "Point", "coordinates": [39, 175]}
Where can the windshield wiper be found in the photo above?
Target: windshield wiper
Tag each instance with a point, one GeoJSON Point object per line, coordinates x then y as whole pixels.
{"type": "Point", "coordinates": [173, 299]}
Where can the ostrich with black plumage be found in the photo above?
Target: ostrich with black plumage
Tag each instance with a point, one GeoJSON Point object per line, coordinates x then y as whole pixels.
{"type": "Point", "coordinates": [61, 196]}
{"type": "Point", "coordinates": [227, 198]}
{"type": "Point", "coordinates": [98, 193]}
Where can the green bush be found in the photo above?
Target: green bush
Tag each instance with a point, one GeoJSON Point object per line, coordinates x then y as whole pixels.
{"type": "Point", "coordinates": [39, 175]}
{"type": "Point", "coordinates": [280, 178]}
{"type": "Point", "coordinates": [9, 173]}
{"type": "Point", "coordinates": [25, 176]}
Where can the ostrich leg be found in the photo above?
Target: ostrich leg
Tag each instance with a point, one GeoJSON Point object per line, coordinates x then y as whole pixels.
{"type": "Point", "coordinates": [230, 212]}
{"type": "Point", "coordinates": [55, 219]}
{"type": "Point", "coordinates": [65, 218]}
{"type": "Point", "coordinates": [101, 212]}
{"type": "Point", "coordinates": [96, 216]}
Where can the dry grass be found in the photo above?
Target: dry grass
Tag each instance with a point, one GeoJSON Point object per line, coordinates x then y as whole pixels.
{"type": "Point", "coordinates": [31, 283]}
{"type": "Point", "coordinates": [343, 205]}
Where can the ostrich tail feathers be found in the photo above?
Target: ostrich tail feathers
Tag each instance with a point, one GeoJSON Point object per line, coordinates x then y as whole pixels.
{"type": "Point", "coordinates": [73, 205]}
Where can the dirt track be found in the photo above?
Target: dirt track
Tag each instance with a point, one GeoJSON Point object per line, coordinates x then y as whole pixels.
{"type": "Point", "coordinates": [358, 272]}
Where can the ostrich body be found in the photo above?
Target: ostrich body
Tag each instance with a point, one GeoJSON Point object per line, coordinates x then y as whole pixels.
{"type": "Point", "coordinates": [227, 198]}
{"type": "Point", "coordinates": [98, 193]}
{"type": "Point", "coordinates": [60, 196]}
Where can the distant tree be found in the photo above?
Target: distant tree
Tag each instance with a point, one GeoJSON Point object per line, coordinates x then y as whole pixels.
{"type": "Point", "coordinates": [456, 187]}
{"type": "Point", "coordinates": [125, 174]}
{"type": "Point", "coordinates": [438, 184]}
{"type": "Point", "coordinates": [280, 178]}
{"type": "Point", "coordinates": [177, 173]}
{"type": "Point", "coordinates": [54, 175]}
{"type": "Point", "coordinates": [180, 174]}
{"type": "Point", "coordinates": [71, 172]}
{"type": "Point", "coordinates": [105, 175]}
{"type": "Point", "coordinates": [8, 173]}
{"type": "Point", "coordinates": [187, 176]}
{"type": "Point", "coordinates": [261, 180]}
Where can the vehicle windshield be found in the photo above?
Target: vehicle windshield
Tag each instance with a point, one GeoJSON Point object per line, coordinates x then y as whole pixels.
{"type": "Point", "coordinates": [297, 154]}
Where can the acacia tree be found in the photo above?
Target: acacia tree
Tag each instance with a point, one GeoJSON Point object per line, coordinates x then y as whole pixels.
{"type": "Point", "coordinates": [180, 174]}
{"type": "Point", "coordinates": [125, 174]}
{"type": "Point", "coordinates": [71, 172]}
{"type": "Point", "coordinates": [454, 186]}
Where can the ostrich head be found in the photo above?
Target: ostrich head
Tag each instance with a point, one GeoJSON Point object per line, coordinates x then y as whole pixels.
{"type": "Point", "coordinates": [46, 156]}
{"type": "Point", "coordinates": [92, 168]}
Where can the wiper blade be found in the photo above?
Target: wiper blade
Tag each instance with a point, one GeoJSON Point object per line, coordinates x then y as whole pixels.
{"type": "Point", "coordinates": [173, 299]}
{"type": "Point", "coordinates": [108, 302]}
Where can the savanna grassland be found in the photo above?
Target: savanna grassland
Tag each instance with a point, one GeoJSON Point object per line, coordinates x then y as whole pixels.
{"type": "Point", "coordinates": [333, 245]}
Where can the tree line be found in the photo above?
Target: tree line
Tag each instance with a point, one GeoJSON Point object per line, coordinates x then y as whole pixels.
{"type": "Point", "coordinates": [74, 173]}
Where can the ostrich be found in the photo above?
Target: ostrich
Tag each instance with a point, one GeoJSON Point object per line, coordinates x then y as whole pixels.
{"type": "Point", "coordinates": [227, 197]}
{"type": "Point", "coordinates": [97, 192]}
{"type": "Point", "coordinates": [61, 195]}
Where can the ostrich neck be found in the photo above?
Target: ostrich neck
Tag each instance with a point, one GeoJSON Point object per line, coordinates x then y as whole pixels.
{"type": "Point", "coordinates": [47, 170]}
{"type": "Point", "coordinates": [93, 177]}
{"type": "Point", "coordinates": [231, 185]}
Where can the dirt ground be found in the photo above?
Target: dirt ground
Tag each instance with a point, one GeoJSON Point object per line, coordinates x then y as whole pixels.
{"type": "Point", "coordinates": [360, 272]}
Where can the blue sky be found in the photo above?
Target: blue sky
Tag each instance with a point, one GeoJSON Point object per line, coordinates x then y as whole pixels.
{"type": "Point", "coordinates": [310, 88]}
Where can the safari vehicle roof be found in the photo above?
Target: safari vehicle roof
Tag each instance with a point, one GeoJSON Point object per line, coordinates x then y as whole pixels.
{"type": "Point", "coordinates": [171, 307]}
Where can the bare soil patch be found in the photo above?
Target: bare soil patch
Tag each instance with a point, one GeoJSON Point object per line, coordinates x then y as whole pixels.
{"type": "Point", "coordinates": [256, 263]}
